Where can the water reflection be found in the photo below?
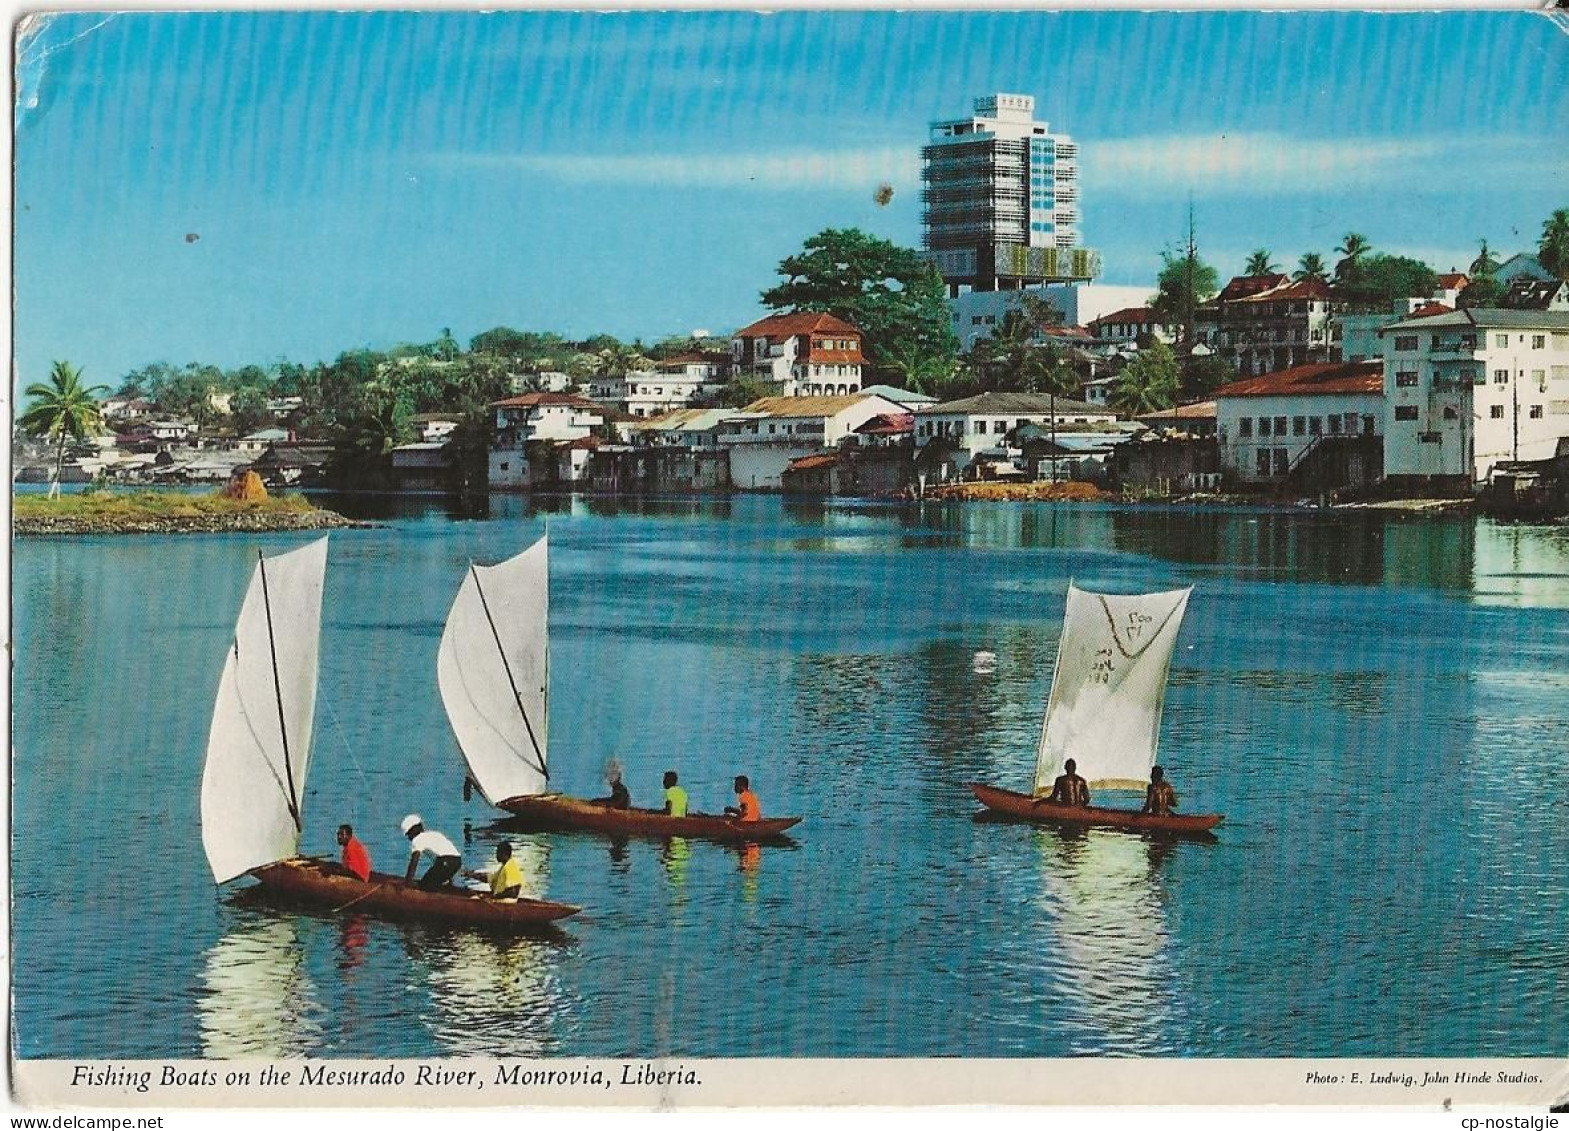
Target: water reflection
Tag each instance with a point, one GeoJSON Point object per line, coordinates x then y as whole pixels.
{"type": "Point", "coordinates": [676, 854]}
{"type": "Point", "coordinates": [1522, 566]}
{"type": "Point", "coordinates": [258, 999]}
{"type": "Point", "coordinates": [494, 995]}
{"type": "Point", "coordinates": [1102, 893]}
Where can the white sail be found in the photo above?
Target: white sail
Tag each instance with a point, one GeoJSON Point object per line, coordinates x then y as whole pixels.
{"type": "Point", "coordinates": [1109, 686]}
{"type": "Point", "coordinates": [259, 748]}
{"type": "Point", "coordinates": [493, 669]}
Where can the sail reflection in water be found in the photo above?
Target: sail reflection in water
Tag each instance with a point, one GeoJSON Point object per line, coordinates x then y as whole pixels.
{"type": "Point", "coordinates": [498, 995]}
{"type": "Point", "coordinates": [1101, 893]}
{"type": "Point", "coordinates": [259, 1000]}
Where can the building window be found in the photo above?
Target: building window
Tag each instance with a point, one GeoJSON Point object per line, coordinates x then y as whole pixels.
{"type": "Point", "coordinates": [1405, 379]}
{"type": "Point", "coordinates": [1299, 426]}
{"type": "Point", "coordinates": [1500, 376]}
{"type": "Point", "coordinates": [1539, 341]}
{"type": "Point", "coordinates": [1334, 425]}
{"type": "Point", "coordinates": [1536, 412]}
{"type": "Point", "coordinates": [1263, 426]}
{"type": "Point", "coordinates": [1351, 424]}
{"type": "Point", "coordinates": [1451, 412]}
{"type": "Point", "coordinates": [1315, 425]}
{"type": "Point", "coordinates": [1245, 427]}
{"type": "Point", "coordinates": [1539, 378]}
{"type": "Point", "coordinates": [1501, 340]}
{"type": "Point", "coordinates": [1496, 412]}
{"type": "Point", "coordinates": [1405, 343]}
{"type": "Point", "coordinates": [1263, 461]}
{"type": "Point", "coordinates": [1280, 425]}
{"type": "Point", "coordinates": [1282, 464]}
{"type": "Point", "coordinates": [999, 426]}
{"type": "Point", "coordinates": [1405, 412]}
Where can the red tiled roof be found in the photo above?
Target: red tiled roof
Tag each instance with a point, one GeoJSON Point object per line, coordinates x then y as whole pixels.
{"type": "Point", "coordinates": [1071, 333]}
{"type": "Point", "coordinates": [811, 463]}
{"type": "Point", "coordinates": [1427, 310]}
{"type": "Point", "coordinates": [1241, 286]}
{"type": "Point", "coordinates": [776, 327]}
{"type": "Point", "coordinates": [888, 424]}
{"type": "Point", "coordinates": [534, 400]}
{"type": "Point", "coordinates": [582, 443]}
{"type": "Point", "coordinates": [1454, 281]}
{"type": "Point", "coordinates": [832, 357]}
{"type": "Point", "coordinates": [1303, 288]}
{"type": "Point", "coordinates": [1134, 314]}
{"type": "Point", "coordinates": [1334, 377]}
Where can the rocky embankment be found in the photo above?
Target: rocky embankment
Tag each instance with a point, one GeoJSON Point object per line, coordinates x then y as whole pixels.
{"type": "Point", "coordinates": [1022, 492]}
{"type": "Point", "coordinates": [159, 512]}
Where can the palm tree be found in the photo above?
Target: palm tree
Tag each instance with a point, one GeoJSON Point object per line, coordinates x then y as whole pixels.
{"type": "Point", "coordinates": [1553, 251]}
{"type": "Point", "coordinates": [1311, 266]}
{"type": "Point", "coordinates": [446, 347]}
{"type": "Point", "coordinates": [1258, 263]}
{"type": "Point", "coordinates": [1484, 263]}
{"type": "Point", "coordinates": [60, 409]}
{"type": "Point", "coordinates": [1351, 251]}
{"type": "Point", "coordinates": [1148, 383]}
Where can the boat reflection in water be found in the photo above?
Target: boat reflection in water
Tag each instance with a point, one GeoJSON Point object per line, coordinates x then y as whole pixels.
{"type": "Point", "coordinates": [259, 1001]}
{"type": "Point", "coordinates": [1101, 892]}
{"type": "Point", "coordinates": [676, 854]}
{"type": "Point", "coordinates": [498, 994]}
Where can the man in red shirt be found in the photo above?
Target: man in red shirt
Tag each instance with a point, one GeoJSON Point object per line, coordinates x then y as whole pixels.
{"type": "Point", "coordinates": [355, 858]}
{"type": "Point", "coordinates": [746, 807]}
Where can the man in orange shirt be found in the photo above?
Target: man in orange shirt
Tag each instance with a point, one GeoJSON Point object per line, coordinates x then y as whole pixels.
{"type": "Point", "coordinates": [746, 807]}
{"type": "Point", "coordinates": [355, 858]}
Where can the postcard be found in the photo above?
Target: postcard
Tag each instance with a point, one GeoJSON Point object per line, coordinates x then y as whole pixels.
{"type": "Point", "coordinates": [733, 559]}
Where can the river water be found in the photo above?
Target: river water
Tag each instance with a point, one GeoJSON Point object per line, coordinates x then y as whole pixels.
{"type": "Point", "coordinates": [1377, 704]}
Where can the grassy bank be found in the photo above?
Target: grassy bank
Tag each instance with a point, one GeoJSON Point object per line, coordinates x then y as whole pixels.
{"type": "Point", "coordinates": [165, 512]}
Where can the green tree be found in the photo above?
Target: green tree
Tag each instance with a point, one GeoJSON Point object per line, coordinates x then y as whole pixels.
{"type": "Point", "coordinates": [62, 409]}
{"type": "Point", "coordinates": [739, 392]}
{"type": "Point", "coordinates": [1553, 251]}
{"type": "Point", "coordinates": [1204, 374]}
{"type": "Point", "coordinates": [1185, 283]}
{"type": "Point", "coordinates": [1379, 281]}
{"type": "Point", "coordinates": [889, 293]}
{"type": "Point", "coordinates": [248, 409]}
{"type": "Point", "coordinates": [1259, 263]}
{"type": "Point", "coordinates": [1482, 291]}
{"type": "Point", "coordinates": [1311, 267]}
{"type": "Point", "coordinates": [1485, 262]}
{"type": "Point", "coordinates": [922, 373]}
{"type": "Point", "coordinates": [1351, 250]}
{"type": "Point", "coordinates": [1148, 383]}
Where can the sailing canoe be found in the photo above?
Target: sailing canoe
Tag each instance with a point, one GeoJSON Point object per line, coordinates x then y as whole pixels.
{"type": "Point", "coordinates": [558, 812]}
{"type": "Point", "coordinates": [321, 883]}
{"type": "Point", "coordinates": [493, 669]}
{"type": "Point", "coordinates": [1028, 808]}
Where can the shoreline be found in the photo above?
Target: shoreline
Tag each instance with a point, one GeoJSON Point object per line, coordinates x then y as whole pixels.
{"type": "Point", "coordinates": [152, 513]}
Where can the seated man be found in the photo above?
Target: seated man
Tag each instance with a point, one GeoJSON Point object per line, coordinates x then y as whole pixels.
{"type": "Point", "coordinates": [446, 860]}
{"type": "Point", "coordinates": [506, 878]}
{"type": "Point", "coordinates": [675, 796]}
{"type": "Point", "coordinates": [1160, 799]}
{"type": "Point", "coordinates": [620, 797]}
{"type": "Point", "coordinates": [355, 858]}
{"type": "Point", "coordinates": [747, 807]}
{"type": "Point", "coordinates": [1069, 788]}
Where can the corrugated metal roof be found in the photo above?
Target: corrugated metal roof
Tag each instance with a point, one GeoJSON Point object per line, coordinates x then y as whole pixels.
{"type": "Point", "coordinates": [1305, 380]}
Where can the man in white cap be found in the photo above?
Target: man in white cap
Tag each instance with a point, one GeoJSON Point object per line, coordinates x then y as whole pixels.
{"type": "Point", "coordinates": [423, 840]}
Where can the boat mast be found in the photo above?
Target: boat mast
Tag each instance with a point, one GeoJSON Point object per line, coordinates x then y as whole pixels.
{"type": "Point", "coordinates": [539, 757]}
{"type": "Point", "coordinates": [277, 687]}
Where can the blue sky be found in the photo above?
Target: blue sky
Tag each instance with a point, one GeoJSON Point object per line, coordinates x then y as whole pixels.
{"type": "Point", "coordinates": [246, 187]}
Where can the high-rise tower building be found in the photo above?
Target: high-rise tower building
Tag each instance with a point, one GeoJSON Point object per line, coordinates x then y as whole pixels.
{"type": "Point", "coordinates": [1001, 198]}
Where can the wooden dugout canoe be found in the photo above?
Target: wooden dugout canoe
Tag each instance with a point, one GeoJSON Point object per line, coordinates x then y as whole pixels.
{"type": "Point", "coordinates": [1025, 807]}
{"type": "Point", "coordinates": [325, 884]}
{"type": "Point", "coordinates": [556, 811]}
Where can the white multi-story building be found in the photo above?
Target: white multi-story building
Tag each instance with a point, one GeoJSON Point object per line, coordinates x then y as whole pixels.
{"type": "Point", "coordinates": [977, 314]}
{"type": "Point", "coordinates": [977, 424]}
{"type": "Point", "coordinates": [1267, 424]}
{"type": "Point", "coordinates": [521, 420]}
{"type": "Point", "coordinates": [767, 435]}
{"type": "Point", "coordinates": [805, 354]}
{"type": "Point", "coordinates": [1473, 388]}
{"type": "Point", "coordinates": [671, 384]}
{"type": "Point", "coordinates": [1001, 196]}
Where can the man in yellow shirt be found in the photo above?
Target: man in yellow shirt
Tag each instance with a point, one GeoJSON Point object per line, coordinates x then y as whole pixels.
{"type": "Point", "coordinates": [506, 878]}
{"type": "Point", "coordinates": [675, 796]}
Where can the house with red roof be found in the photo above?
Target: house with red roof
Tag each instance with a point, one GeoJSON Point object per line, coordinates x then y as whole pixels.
{"type": "Point", "coordinates": [1123, 330]}
{"type": "Point", "coordinates": [806, 354]}
{"type": "Point", "coordinates": [1265, 329]}
{"type": "Point", "coordinates": [1330, 413]}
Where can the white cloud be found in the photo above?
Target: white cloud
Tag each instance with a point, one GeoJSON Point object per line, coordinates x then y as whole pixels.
{"type": "Point", "coordinates": [790, 170]}
{"type": "Point", "coordinates": [1239, 163]}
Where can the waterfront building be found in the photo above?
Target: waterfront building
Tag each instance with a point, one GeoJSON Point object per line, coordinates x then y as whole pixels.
{"type": "Point", "coordinates": [1316, 426]}
{"type": "Point", "coordinates": [533, 417]}
{"type": "Point", "coordinates": [1267, 323]}
{"type": "Point", "coordinates": [1359, 333]}
{"type": "Point", "coordinates": [1123, 330]}
{"type": "Point", "coordinates": [1001, 197]}
{"type": "Point", "coordinates": [671, 384]}
{"type": "Point", "coordinates": [805, 354]}
{"type": "Point", "coordinates": [910, 400]}
{"type": "Point", "coordinates": [425, 465]}
{"type": "Point", "coordinates": [259, 441]}
{"type": "Point", "coordinates": [962, 430]}
{"type": "Point", "coordinates": [432, 426]}
{"type": "Point", "coordinates": [1197, 419]}
{"type": "Point", "coordinates": [1472, 388]}
{"type": "Point", "coordinates": [766, 436]}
